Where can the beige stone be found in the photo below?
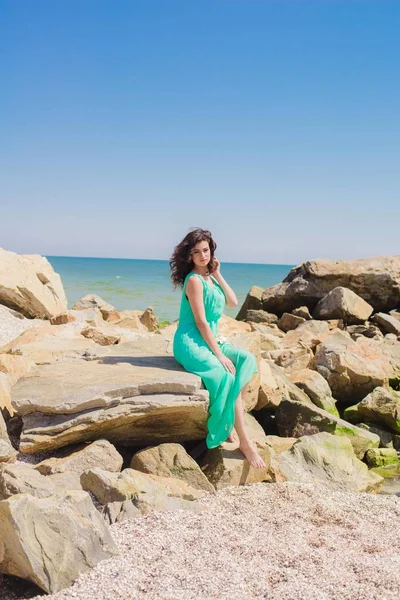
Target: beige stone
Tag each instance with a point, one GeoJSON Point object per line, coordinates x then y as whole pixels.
{"type": "Point", "coordinates": [63, 319]}
{"type": "Point", "coordinates": [86, 456]}
{"type": "Point", "coordinates": [276, 386]}
{"type": "Point", "coordinates": [7, 452]}
{"type": "Point", "coordinates": [29, 284]}
{"type": "Point", "coordinates": [103, 336]}
{"type": "Point", "coordinates": [118, 487]}
{"type": "Point", "coordinates": [51, 541]}
{"type": "Point", "coordinates": [228, 467]}
{"type": "Point", "coordinates": [149, 319]}
{"type": "Point", "coordinates": [291, 359]}
{"type": "Point", "coordinates": [352, 368]}
{"type": "Point", "coordinates": [171, 460]}
{"type": "Point", "coordinates": [47, 344]}
{"type": "Point", "coordinates": [316, 388]}
{"type": "Point", "coordinates": [308, 334]}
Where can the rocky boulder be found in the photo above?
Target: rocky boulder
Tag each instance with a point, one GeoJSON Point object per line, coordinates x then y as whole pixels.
{"type": "Point", "coordinates": [171, 460]}
{"type": "Point", "coordinates": [376, 280]}
{"type": "Point", "coordinates": [382, 406]}
{"type": "Point", "coordinates": [7, 452]}
{"type": "Point", "coordinates": [316, 388]}
{"type": "Point", "coordinates": [295, 419]}
{"type": "Point", "coordinates": [29, 284]}
{"type": "Point", "coordinates": [330, 459]}
{"type": "Point", "coordinates": [352, 368]}
{"type": "Point", "coordinates": [342, 303]}
{"type": "Point", "coordinates": [51, 541]}
{"type": "Point", "coordinates": [252, 302]}
{"type": "Point", "coordinates": [387, 323]}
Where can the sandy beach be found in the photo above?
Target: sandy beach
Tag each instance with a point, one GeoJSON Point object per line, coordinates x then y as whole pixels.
{"type": "Point", "coordinates": [265, 541]}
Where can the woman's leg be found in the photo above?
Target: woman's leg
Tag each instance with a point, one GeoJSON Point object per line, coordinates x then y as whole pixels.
{"type": "Point", "coordinates": [246, 445]}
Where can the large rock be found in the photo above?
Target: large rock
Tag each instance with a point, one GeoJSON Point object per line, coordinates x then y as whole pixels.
{"type": "Point", "coordinates": [119, 487]}
{"type": "Point", "coordinates": [29, 284]}
{"type": "Point", "coordinates": [24, 479]}
{"type": "Point", "coordinates": [261, 316]}
{"type": "Point", "coordinates": [331, 459]}
{"type": "Point", "coordinates": [388, 323]}
{"type": "Point", "coordinates": [276, 386]}
{"type": "Point", "coordinates": [308, 334]}
{"type": "Point", "coordinates": [7, 452]}
{"type": "Point", "coordinates": [295, 419]}
{"type": "Point", "coordinates": [5, 394]}
{"type": "Point", "coordinates": [316, 388]}
{"type": "Point", "coordinates": [225, 467]}
{"type": "Point", "coordinates": [291, 359]}
{"type": "Point", "coordinates": [171, 460]}
{"type": "Point", "coordinates": [47, 344]}
{"type": "Point", "coordinates": [83, 458]}
{"type": "Point", "coordinates": [287, 322]}
{"type": "Point", "coordinates": [51, 541]}
{"type": "Point", "coordinates": [382, 406]}
{"type": "Point", "coordinates": [252, 302]}
{"type": "Point", "coordinates": [342, 303]}
{"type": "Point", "coordinates": [376, 280]}
{"type": "Point", "coordinates": [352, 368]}
{"type": "Point", "coordinates": [381, 457]}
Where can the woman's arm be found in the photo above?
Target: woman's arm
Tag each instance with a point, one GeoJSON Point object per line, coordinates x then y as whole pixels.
{"type": "Point", "coordinates": [194, 292]}
{"type": "Point", "coordinates": [231, 299]}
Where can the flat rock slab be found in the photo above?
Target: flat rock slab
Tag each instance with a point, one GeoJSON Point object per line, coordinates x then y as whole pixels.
{"type": "Point", "coordinates": [130, 394]}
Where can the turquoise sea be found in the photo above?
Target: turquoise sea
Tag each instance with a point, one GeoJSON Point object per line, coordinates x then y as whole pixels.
{"type": "Point", "coordinates": [137, 284]}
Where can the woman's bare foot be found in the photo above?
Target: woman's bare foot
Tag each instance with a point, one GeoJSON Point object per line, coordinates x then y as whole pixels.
{"type": "Point", "coordinates": [249, 449]}
{"type": "Point", "coordinates": [233, 436]}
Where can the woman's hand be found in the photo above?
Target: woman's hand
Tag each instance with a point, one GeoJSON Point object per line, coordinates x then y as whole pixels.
{"type": "Point", "coordinates": [227, 364]}
{"type": "Point", "coordinates": [217, 266]}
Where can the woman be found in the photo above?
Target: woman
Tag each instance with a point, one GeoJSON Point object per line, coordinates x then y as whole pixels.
{"type": "Point", "coordinates": [224, 369]}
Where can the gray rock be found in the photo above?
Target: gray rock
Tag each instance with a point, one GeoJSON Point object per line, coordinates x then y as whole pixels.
{"type": "Point", "coordinates": [302, 311]}
{"type": "Point", "coordinates": [387, 323]}
{"type": "Point", "coordinates": [51, 541]}
{"type": "Point", "coordinates": [295, 419]}
{"type": "Point", "coordinates": [331, 459]}
{"type": "Point", "coordinates": [260, 316]}
{"type": "Point", "coordinates": [376, 280]}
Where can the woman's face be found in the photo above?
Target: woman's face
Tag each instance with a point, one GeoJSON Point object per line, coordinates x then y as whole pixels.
{"type": "Point", "coordinates": [200, 254]}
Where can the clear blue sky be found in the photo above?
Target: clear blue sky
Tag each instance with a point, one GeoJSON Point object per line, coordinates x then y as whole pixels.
{"type": "Point", "coordinates": [275, 123]}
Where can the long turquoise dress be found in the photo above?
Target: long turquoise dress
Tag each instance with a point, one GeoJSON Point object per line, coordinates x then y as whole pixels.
{"type": "Point", "coordinates": [194, 354]}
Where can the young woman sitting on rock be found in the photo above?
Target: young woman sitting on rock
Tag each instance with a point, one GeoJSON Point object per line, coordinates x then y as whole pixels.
{"type": "Point", "coordinates": [224, 369]}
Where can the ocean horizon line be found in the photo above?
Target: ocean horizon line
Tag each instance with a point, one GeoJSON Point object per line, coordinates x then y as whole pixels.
{"type": "Point", "coordinates": [225, 262]}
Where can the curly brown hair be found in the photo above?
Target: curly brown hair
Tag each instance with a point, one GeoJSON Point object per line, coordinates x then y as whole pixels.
{"type": "Point", "coordinates": [181, 262]}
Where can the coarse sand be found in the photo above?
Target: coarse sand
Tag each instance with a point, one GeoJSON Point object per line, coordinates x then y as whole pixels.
{"type": "Point", "coordinates": [284, 541]}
